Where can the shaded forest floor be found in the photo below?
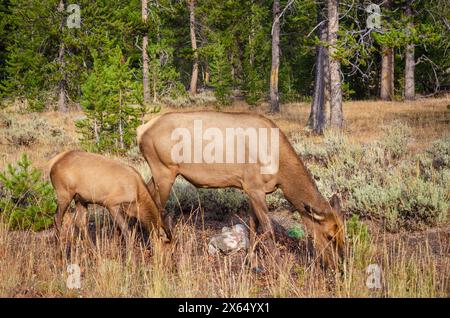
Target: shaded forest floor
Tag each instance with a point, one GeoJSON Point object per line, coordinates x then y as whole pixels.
{"type": "Point", "coordinates": [413, 262]}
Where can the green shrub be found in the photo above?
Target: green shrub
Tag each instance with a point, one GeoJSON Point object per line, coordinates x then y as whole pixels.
{"type": "Point", "coordinates": [276, 200]}
{"type": "Point", "coordinates": [439, 151]}
{"type": "Point", "coordinates": [134, 155]}
{"type": "Point", "coordinates": [396, 137]}
{"type": "Point", "coordinates": [320, 153]}
{"type": "Point", "coordinates": [215, 202]}
{"type": "Point", "coordinates": [356, 230]}
{"type": "Point", "coordinates": [296, 232]}
{"type": "Point", "coordinates": [380, 181]}
{"type": "Point", "coordinates": [19, 132]}
{"type": "Point", "coordinates": [359, 240]}
{"type": "Point", "coordinates": [27, 202]}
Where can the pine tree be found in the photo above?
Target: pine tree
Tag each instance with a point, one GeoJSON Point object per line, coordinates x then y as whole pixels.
{"type": "Point", "coordinates": [30, 45]}
{"type": "Point", "coordinates": [256, 63]}
{"type": "Point", "coordinates": [221, 74]}
{"type": "Point", "coordinates": [112, 100]}
{"type": "Point", "coordinates": [27, 201]}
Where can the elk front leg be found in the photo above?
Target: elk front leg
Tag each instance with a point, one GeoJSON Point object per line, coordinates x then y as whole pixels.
{"type": "Point", "coordinates": [154, 193]}
{"type": "Point", "coordinates": [253, 228]}
{"type": "Point", "coordinates": [259, 207]}
{"type": "Point", "coordinates": [163, 181]}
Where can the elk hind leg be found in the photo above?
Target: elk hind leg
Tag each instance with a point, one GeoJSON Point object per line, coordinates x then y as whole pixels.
{"type": "Point", "coordinates": [81, 221]}
{"type": "Point", "coordinates": [63, 203]}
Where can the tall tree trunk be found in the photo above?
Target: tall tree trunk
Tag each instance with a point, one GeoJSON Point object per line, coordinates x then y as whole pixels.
{"type": "Point", "coordinates": [387, 68]}
{"type": "Point", "coordinates": [317, 117]}
{"type": "Point", "coordinates": [336, 118]}
{"type": "Point", "coordinates": [97, 138]}
{"type": "Point", "coordinates": [233, 68]}
{"type": "Point", "coordinates": [62, 104]}
{"type": "Point", "coordinates": [251, 36]}
{"type": "Point", "coordinates": [121, 143]}
{"type": "Point", "coordinates": [387, 74]}
{"type": "Point", "coordinates": [326, 82]}
{"type": "Point", "coordinates": [206, 73]}
{"type": "Point", "coordinates": [410, 62]}
{"type": "Point", "coordinates": [145, 69]}
{"type": "Point", "coordinates": [274, 95]}
{"type": "Point", "coordinates": [194, 76]}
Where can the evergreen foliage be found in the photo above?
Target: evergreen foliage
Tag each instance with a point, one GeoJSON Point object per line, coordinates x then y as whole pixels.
{"type": "Point", "coordinates": [112, 102]}
{"type": "Point", "coordinates": [26, 201]}
{"type": "Point", "coordinates": [234, 45]}
{"type": "Point", "coordinates": [220, 74]}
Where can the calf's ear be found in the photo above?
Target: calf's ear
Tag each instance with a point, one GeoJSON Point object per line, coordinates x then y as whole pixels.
{"type": "Point", "coordinates": [335, 203]}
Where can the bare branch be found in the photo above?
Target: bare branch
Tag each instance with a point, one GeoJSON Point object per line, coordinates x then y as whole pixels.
{"type": "Point", "coordinates": [281, 14]}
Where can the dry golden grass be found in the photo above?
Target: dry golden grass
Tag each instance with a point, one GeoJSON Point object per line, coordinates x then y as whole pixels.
{"type": "Point", "coordinates": [413, 264]}
{"type": "Point", "coordinates": [31, 268]}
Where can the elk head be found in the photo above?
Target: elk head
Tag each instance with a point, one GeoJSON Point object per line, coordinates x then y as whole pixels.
{"type": "Point", "coordinates": [328, 231]}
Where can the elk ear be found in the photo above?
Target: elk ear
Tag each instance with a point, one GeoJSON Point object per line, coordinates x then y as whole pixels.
{"type": "Point", "coordinates": [313, 214]}
{"type": "Point", "coordinates": [335, 203]}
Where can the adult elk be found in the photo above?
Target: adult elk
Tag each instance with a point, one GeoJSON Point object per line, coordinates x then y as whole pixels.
{"type": "Point", "coordinates": [93, 179]}
{"type": "Point", "coordinates": [211, 158]}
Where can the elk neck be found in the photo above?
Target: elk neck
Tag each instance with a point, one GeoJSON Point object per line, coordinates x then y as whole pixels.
{"type": "Point", "coordinates": [298, 185]}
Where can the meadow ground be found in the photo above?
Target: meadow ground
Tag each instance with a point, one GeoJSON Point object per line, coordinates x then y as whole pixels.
{"type": "Point", "coordinates": [390, 168]}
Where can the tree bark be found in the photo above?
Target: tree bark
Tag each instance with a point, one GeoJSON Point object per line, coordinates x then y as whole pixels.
{"type": "Point", "coordinates": [410, 62]}
{"type": "Point", "coordinates": [62, 104]}
{"type": "Point", "coordinates": [194, 76]}
{"type": "Point", "coordinates": [145, 68]}
{"type": "Point", "coordinates": [326, 82]}
{"type": "Point", "coordinates": [336, 118]}
{"type": "Point", "coordinates": [274, 95]}
{"type": "Point", "coordinates": [121, 143]}
{"type": "Point", "coordinates": [387, 74]}
{"type": "Point", "coordinates": [96, 135]}
{"type": "Point", "coordinates": [206, 73]}
{"type": "Point", "coordinates": [317, 117]}
{"type": "Point", "coordinates": [387, 68]}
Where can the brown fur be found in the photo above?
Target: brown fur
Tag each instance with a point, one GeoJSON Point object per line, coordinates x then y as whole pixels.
{"type": "Point", "coordinates": [324, 221]}
{"type": "Point", "coordinates": [89, 178]}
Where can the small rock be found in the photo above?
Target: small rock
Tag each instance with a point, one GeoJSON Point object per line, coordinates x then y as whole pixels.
{"type": "Point", "coordinates": [231, 240]}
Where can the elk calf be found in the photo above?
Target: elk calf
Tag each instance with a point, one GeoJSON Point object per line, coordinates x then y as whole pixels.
{"type": "Point", "coordinates": [93, 179]}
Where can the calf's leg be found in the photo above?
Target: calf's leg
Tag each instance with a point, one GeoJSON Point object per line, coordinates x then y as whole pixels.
{"type": "Point", "coordinates": [63, 203]}
{"type": "Point", "coordinates": [116, 214]}
{"type": "Point", "coordinates": [81, 221]}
